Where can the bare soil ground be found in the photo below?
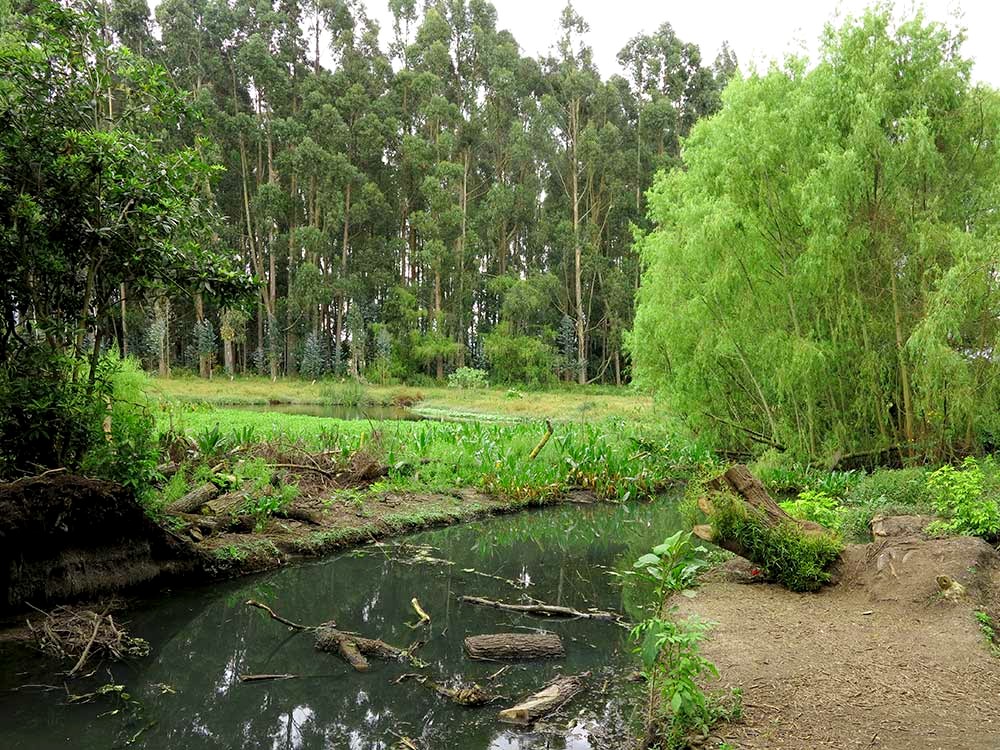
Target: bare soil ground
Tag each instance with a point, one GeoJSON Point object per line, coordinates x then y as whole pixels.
{"type": "Point", "coordinates": [880, 660]}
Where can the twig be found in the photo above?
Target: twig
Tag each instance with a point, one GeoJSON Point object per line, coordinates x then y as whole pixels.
{"type": "Point", "coordinates": [275, 616]}
{"type": "Point", "coordinates": [302, 467]}
{"type": "Point", "coordinates": [262, 677]}
{"type": "Point", "coordinates": [86, 650]}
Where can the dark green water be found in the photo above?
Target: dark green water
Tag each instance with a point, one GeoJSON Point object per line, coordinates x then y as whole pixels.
{"type": "Point", "coordinates": [374, 413]}
{"type": "Point", "coordinates": [203, 639]}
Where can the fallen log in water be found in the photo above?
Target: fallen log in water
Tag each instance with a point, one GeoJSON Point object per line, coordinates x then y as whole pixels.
{"type": "Point", "coordinates": [353, 648]}
{"type": "Point", "coordinates": [546, 700]}
{"type": "Point", "coordinates": [498, 646]}
{"type": "Point", "coordinates": [543, 610]}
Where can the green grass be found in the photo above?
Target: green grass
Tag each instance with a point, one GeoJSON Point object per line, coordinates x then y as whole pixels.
{"type": "Point", "coordinates": [615, 459]}
{"type": "Point", "coordinates": [561, 403]}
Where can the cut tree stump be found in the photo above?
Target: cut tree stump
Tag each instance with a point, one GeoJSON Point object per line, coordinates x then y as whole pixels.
{"type": "Point", "coordinates": [353, 648]}
{"type": "Point", "coordinates": [502, 646]}
{"type": "Point", "coordinates": [546, 700]}
{"type": "Point", "coordinates": [738, 481]}
{"type": "Point", "coordinates": [195, 499]}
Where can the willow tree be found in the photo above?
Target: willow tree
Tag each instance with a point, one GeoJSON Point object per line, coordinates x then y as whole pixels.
{"type": "Point", "coordinates": [823, 275]}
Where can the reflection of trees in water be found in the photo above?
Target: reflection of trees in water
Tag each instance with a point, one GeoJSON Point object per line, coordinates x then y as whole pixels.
{"type": "Point", "coordinates": [331, 706]}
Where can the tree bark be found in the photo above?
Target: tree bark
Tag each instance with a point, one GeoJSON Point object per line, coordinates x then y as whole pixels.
{"type": "Point", "coordinates": [195, 499]}
{"type": "Point", "coordinates": [514, 646]}
{"type": "Point", "coordinates": [546, 700]}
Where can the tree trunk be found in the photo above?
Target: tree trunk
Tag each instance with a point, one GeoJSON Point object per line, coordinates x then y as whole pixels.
{"type": "Point", "coordinates": [739, 481]}
{"type": "Point", "coordinates": [514, 646]}
{"type": "Point", "coordinates": [204, 364]}
{"type": "Point", "coordinates": [581, 331]}
{"type": "Point", "coordinates": [124, 325]}
{"type": "Point", "coordinates": [344, 244]}
{"type": "Point", "coordinates": [546, 700]}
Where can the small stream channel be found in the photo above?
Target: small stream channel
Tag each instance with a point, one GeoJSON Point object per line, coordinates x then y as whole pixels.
{"type": "Point", "coordinates": [203, 639]}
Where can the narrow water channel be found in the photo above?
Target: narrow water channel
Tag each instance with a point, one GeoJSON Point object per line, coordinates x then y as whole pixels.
{"type": "Point", "coordinates": [188, 693]}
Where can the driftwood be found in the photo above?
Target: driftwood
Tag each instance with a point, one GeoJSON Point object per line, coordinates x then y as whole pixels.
{"type": "Point", "coordinates": [514, 646]}
{"type": "Point", "coordinates": [353, 648]}
{"type": "Point", "coordinates": [195, 499]}
{"type": "Point", "coordinates": [546, 700]}
{"type": "Point", "coordinates": [543, 610]}
{"type": "Point", "coordinates": [749, 490]}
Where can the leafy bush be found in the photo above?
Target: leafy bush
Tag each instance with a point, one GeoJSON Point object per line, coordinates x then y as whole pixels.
{"type": "Point", "coordinates": [468, 377]}
{"type": "Point", "coordinates": [673, 664]}
{"type": "Point", "coordinates": [673, 565]}
{"type": "Point", "coordinates": [127, 453]}
{"type": "Point", "coordinates": [959, 499]}
{"type": "Point", "coordinates": [815, 506]}
{"type": "Point", "coordinates": [786, 554]}
{"type": "Point", "coordinates": [48, 418]}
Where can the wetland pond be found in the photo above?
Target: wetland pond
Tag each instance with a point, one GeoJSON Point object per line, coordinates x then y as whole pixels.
{"type": "Point", "coordinates": [188, 692]}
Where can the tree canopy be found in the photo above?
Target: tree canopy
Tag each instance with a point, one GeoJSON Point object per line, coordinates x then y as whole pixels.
{"type": "Point", "coordinates": [822, 276]}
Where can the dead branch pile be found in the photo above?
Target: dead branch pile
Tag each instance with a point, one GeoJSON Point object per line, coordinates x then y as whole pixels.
{"type": "Point", "coordinates": [82, 634]}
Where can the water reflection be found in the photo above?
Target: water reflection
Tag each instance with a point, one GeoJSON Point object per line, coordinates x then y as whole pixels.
{"type": "Point", "coordinates": [204, 640]}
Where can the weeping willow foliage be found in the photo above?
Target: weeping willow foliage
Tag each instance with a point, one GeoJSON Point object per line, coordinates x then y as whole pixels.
{"type": "Point", "coordinates": [823, 276]}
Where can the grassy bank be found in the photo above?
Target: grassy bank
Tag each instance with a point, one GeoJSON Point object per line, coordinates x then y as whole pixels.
{"type": "Point", "coordinates": [615, 458]}
{"type": "Point", "coordinates": [566, 403]}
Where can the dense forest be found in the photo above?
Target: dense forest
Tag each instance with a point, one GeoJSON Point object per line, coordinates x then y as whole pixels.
{"type": "Point", "coordinates": [445, 202]}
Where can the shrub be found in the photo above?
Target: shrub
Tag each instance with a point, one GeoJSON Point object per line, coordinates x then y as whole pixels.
{"type": "Point", "coordinates": [816, 506]}
{"type": "Point", "coordinates": [127, 453]}
{"type": "Point", "coordinates": [959, 499]}
{"type": "Point", "coordinates": [48, 418]}
{"type": "Point", "coordinates": [896, 486]}
{"type": "Point", "coordinates": [673, 565]}
{"type": "Point", "coordinates": [786, 554]}
{"type": "Point", "coordinates": [468, 377]}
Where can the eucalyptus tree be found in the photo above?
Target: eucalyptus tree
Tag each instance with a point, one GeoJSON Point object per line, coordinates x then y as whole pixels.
{"type": "Point", "coordinates": [822, 277]}
{"type": "Point", "coordinates": [572, 80]}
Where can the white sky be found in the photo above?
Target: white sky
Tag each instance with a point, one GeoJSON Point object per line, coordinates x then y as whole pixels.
{"type": "Point", "coordinates": [758, 30]}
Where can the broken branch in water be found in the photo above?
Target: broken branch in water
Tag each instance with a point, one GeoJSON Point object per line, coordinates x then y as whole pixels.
{"type": "Point", "coordinates": [544, 610]}
{"type": "Point", "coordinates": [424, 617]}
{"type": "Point", "coordinates": [262, 677]}
{"type": "Point", "coordinates": [546, 700]}
{"type": "Point", "coordinates": [275, 616]}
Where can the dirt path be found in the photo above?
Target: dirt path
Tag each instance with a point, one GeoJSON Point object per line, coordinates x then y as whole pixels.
{"type": "Point", "coordinates": [878, 661]}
